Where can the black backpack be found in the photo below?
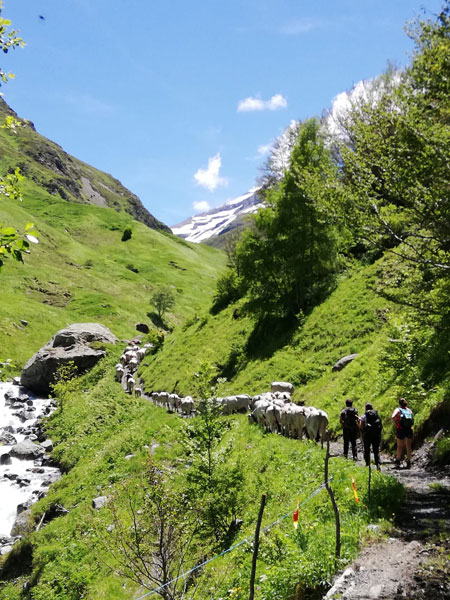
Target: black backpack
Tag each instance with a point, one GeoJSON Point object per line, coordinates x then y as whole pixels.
{"type": "Point", "coordinates": [350, 418]}
{"type": "Point", "coordinates": [373, 422]}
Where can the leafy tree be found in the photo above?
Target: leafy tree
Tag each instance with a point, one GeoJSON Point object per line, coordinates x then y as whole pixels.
{"type": "Point", "coordinates": [65, 383]}
{"type": "Point", "coordinates": [396, 166]}
{"type": "Point", "coordinates": [396, 170]}
{"type": "Point", "coordinates": [288, 257]}
{"type": "Point", "coordinates": [12, 243]}
{"type": "Point", "coordinates": [151, 532]}
{"type": "Point", "coordinates": [214, 485]}
{"type": "Point", "coordinates": [163, 299]}
{"type": "Point", "coordinates": [8, 41]}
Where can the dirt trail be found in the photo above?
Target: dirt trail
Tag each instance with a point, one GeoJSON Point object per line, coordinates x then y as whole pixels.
{"type": "Point", "coordinates": [415, 562]}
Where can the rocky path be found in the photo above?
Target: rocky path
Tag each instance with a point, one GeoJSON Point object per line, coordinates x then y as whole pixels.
{"type": "Point", "coordinates": [413, 563]}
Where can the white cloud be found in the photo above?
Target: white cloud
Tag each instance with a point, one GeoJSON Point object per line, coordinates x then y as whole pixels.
{"type": "Point", "coordinates": [209, 178]}
{"type": "Point", "coordinates": [201, 206]}
{"type": "Point", "coordinates": [297, 27]}
{"type": "Point", "coordinates": [264, 149]}
{"type": "Point", "coordinates": [253, 104]}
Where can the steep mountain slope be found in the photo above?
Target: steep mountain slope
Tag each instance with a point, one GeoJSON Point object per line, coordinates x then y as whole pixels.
{"type": "Point", "coordinates": [352, 320]}
{"type": "Point", "coordinates": [62, 175]}
{"type": "Point", "coordinates": [215, 223]}
{"type": "Point", "coordinates": [81, 270]}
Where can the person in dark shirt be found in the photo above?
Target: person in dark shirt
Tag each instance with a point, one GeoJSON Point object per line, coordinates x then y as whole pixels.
{"type": "Point", "coordinates": [350, 431]}
{"type": "Point", "coordinates": [371, 426]}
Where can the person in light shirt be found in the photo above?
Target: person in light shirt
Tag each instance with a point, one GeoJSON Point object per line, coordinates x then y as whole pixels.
{"type": "Point", "coordinates": [403, 419]}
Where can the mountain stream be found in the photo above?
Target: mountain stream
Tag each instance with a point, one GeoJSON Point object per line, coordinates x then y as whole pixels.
{"type": "Point", "coordinates": [26, 479]}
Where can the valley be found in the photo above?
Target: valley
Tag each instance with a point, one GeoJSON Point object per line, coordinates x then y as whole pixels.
{"type": "Point", "coordinates": [158, 394]}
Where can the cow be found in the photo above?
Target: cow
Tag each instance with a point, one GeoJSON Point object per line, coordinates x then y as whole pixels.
{"type": "Point", "coordinates": [187, 406]}
{"type": "Point", "coordinates": [316, 423]}
{"type": "Point", "coordinates": [130, 384]}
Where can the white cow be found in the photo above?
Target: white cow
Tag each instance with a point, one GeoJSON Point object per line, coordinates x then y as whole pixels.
{"type": "Point", "coordinates": [130, 384]}
{"type": "Point", "coordinates": [316, 423]}
{"type": "Point", "coordinates": [129, 354]}
{"type": "Point", "coordinates": [298, 420]}
{"type": "Point", "coordinates": [186, 405]}
{"type": "Point", "coordinates": [163, 398]}
{"type": "Point", "coordinates": [173, 402]}
{"type": "Point", "coordinates": [119, 372]}
{"type": "Point", "coordinates": [233, 404]}
{"type": "Point", "coordinates": [258, 414]}
{"type": "Point", "coordinates": [272, 416]}
{"type": "Point", "coordinates": [133, 364]}
{"type": "Point", "coordinates": [141, 352]}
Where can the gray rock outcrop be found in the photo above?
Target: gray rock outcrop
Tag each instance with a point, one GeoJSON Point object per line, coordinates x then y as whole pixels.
{"type": "Point", "coordinates": [71, 344]}
{"type": "Point", "coordinates": [22, 524]}
{"type": "Point", "coordinates": [99, 502]}
{"type": "Point", "coordinates": [6, 438]}
{"type": "Point", "coordinates": [27, 450]}
{"type": "Point", "coordinates": [343, 362]}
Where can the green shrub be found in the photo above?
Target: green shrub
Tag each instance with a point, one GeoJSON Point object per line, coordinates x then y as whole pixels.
{"type": "Point", "coordinates": [127, 233]}
{"type": "Point", "coordinates": [441, 454]}
{"type": "Point", "coordinates": [228, 290]}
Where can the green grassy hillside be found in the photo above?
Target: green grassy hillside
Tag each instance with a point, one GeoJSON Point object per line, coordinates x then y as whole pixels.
{"type": "Point", "coordinates": [99, 427]}
{"type": "Point", "coordinates": [80, 272]}
{"type": "Point", "coordinates": [353, 319]}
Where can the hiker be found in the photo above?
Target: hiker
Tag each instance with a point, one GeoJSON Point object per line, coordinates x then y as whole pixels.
{"type": "Point", "coordinates": [404, 420]}
{"type": "Point", "coordinates": [371, 426]}
{"type": "Point", "coordinates": [349, 421]}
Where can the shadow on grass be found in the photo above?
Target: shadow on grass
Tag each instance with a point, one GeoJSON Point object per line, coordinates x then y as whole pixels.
{"type": "Point", "coordinates": [269, 335]}
{"type": "Point", "coordinates": [158, 321]}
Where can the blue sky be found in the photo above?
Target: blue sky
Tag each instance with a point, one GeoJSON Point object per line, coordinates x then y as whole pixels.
{"type": "Point", "coordinates": [179, 100]}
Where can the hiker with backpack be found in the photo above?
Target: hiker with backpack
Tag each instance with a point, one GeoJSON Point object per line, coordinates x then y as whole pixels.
{"type": "Point", "coordinates": [349, 421]}
{"type": "Point", "coordinates": [371, 426]}
{"type": "Point", "coordinates": [404, 420]}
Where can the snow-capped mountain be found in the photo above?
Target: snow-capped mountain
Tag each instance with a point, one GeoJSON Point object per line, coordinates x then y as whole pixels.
{"type": "Point", "coordinates": [217, 221]}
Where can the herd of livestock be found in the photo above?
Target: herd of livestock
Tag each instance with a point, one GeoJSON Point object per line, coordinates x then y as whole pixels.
{"type": "Point", "coordinates": [273, 411]}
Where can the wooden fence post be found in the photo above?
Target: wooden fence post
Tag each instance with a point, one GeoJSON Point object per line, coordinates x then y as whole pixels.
{"type": "Point", "coordinates": [337, 520]}
{"type": "Point", "coordinates": [256, 547]}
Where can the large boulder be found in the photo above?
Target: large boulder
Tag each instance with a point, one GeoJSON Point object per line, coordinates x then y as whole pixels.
{"type": "Point", "coordinates": [27, 450]}
{"type": "Point", "coordinates": [282, 387]}
{"type": "Point", "coordinates": [23, 523]}
{"type": "Point", "coordinates": [67, 345]}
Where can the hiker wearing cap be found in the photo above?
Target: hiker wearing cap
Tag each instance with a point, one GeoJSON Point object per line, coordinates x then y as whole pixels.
{"type": "Point", "coordinates": [371, 426]}
{"type": "Point", "coordinates": [403, 420]}
{"type": "Point", "coordinates": [349, 421]}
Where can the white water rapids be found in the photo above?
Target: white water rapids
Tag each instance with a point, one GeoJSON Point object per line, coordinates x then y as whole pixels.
{"type": "Point", "coordinates": [21, 481]}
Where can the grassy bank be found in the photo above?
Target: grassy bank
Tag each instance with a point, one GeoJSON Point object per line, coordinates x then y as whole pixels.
{"type": "Point", "coordinates": [100, 426]}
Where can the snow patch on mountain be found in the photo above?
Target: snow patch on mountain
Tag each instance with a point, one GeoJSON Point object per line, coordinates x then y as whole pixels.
{"type": "Point", "coordinates": [215, 221]}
